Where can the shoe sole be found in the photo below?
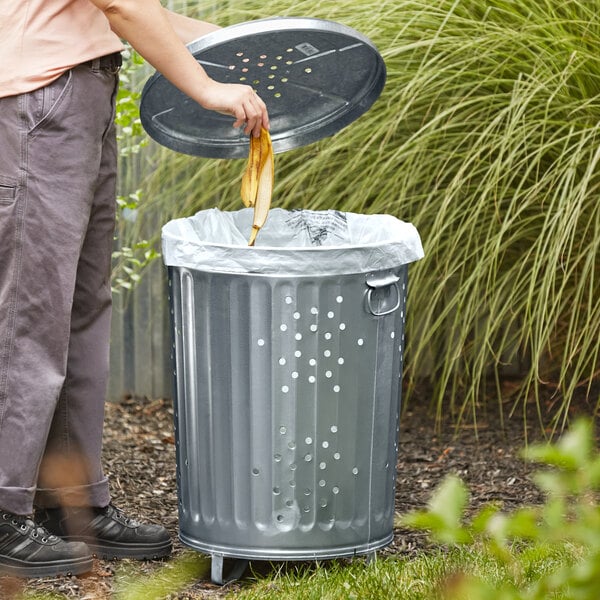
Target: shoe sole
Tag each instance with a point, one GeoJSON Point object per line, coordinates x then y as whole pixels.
{"type": "Point", "coordinates": [113, 550]}
{"type": "Point", "coordinates": [24, 569]}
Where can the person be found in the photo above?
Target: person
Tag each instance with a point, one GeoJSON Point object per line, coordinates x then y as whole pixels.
{"type": "Point", "coordinates": [57, 210]}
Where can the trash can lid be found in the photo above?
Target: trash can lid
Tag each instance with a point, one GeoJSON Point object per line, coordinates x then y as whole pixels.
{"type": "Point", "coordinates": [315, 76]}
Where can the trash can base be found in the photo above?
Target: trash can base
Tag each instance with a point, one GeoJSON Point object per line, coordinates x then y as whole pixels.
{"type": "Point", "coordinates": [287, 554]}
{"type": "Point", "coordinates": [217, 569]}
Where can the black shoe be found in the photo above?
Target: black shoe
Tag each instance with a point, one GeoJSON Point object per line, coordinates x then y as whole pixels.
{"type": "Point", "coordinates": [29, 550]}
{"type": "Point", "coordinates": [107, 532]}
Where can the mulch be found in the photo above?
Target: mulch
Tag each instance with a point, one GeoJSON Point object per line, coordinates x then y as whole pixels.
{"type": "Point", "coordinates": [140, 462]}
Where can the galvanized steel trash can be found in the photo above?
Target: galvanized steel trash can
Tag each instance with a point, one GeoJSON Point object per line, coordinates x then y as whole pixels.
{"type": "Point", "coordinates": [288, 364]}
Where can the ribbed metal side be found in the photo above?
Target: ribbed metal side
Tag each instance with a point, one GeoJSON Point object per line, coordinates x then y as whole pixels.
{"type": "Point", "coordinates": [286, 415]}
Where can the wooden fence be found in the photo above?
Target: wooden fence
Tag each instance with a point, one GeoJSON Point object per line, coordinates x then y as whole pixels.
{"type": "Point", "coordinates": [141, 339]}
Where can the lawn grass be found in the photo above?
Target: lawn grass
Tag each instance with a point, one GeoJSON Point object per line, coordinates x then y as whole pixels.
{"type": "Point", "coordinates": [431, 575]}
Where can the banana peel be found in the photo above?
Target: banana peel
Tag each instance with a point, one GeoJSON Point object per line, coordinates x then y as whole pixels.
{"type": "Point", "coordinates": [257, 181]}
{"type": "Point", "coordinates": [250, 176]}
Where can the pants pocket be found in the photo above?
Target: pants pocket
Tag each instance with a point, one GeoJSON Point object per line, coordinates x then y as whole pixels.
{"type": "Point", "coordinates": [45, 102]}
{"type": "Point", "coordinates": [8, 190]}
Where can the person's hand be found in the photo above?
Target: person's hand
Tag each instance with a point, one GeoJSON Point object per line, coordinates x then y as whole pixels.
{"type": "Point", "coordinates": [239, 101]}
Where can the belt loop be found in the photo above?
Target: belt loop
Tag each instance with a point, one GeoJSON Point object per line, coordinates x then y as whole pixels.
{"type": "Point", "coordinates": [115, 67]}
{"type": "Point", "coordinates": [96, 65]}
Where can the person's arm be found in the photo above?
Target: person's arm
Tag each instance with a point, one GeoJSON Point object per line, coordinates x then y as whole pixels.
{"type": "Point", "coordinates": [148, 28]}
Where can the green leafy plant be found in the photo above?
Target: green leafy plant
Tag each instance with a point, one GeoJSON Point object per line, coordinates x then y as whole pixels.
{"type": "Point", "coordinates": [567, 525]}
{"type": "Point", "coordinates": [131, 258]}
{"type": "Point", "coordinates": [130, 133]}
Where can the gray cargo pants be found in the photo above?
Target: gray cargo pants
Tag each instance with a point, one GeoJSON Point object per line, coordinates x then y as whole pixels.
{"type": "Point", "coordinates": [57, 210]}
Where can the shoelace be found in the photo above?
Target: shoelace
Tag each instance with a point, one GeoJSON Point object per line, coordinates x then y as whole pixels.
{"type": "Point", "coordinates": [112, 511]}
{"type": "Point", "coordinates": [29, 527]}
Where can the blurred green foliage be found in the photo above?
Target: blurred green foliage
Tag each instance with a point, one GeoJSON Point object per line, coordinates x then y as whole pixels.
{"type": "Point", "coordinates": [569, 518]}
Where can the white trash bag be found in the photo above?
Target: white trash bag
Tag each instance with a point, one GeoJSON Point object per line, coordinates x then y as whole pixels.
{"type": "Point", "coordinates": [292, 242]}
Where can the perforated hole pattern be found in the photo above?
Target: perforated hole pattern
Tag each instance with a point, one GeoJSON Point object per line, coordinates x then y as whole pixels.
{"type": "Point", "coordinates": [269, 72]}
{"type": "Point", "coordinates": [309, 369]}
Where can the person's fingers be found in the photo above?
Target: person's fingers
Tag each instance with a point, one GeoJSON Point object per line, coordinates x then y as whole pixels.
{"type": "Point", "coordinates": [250, 112]}
{"type": "Point", "coordinates": [240, 117]}
{"type": "Point", "coordinates": [254, 123]}
{"type": "Point", "coordinates": [264, 112]}
{"type": "Point", "coordinates": [258, 116]}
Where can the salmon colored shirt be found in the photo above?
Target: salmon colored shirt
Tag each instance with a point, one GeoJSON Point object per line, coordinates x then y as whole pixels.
{"type": "Point", "coordinates": [41, 39]}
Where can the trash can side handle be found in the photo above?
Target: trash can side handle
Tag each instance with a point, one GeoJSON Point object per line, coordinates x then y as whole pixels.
{"type": "Point", "coordinates": [380, 281]}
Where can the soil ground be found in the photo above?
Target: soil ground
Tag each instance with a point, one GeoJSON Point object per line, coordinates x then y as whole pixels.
{"type": "Point", "coordinates": [140, 461]}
